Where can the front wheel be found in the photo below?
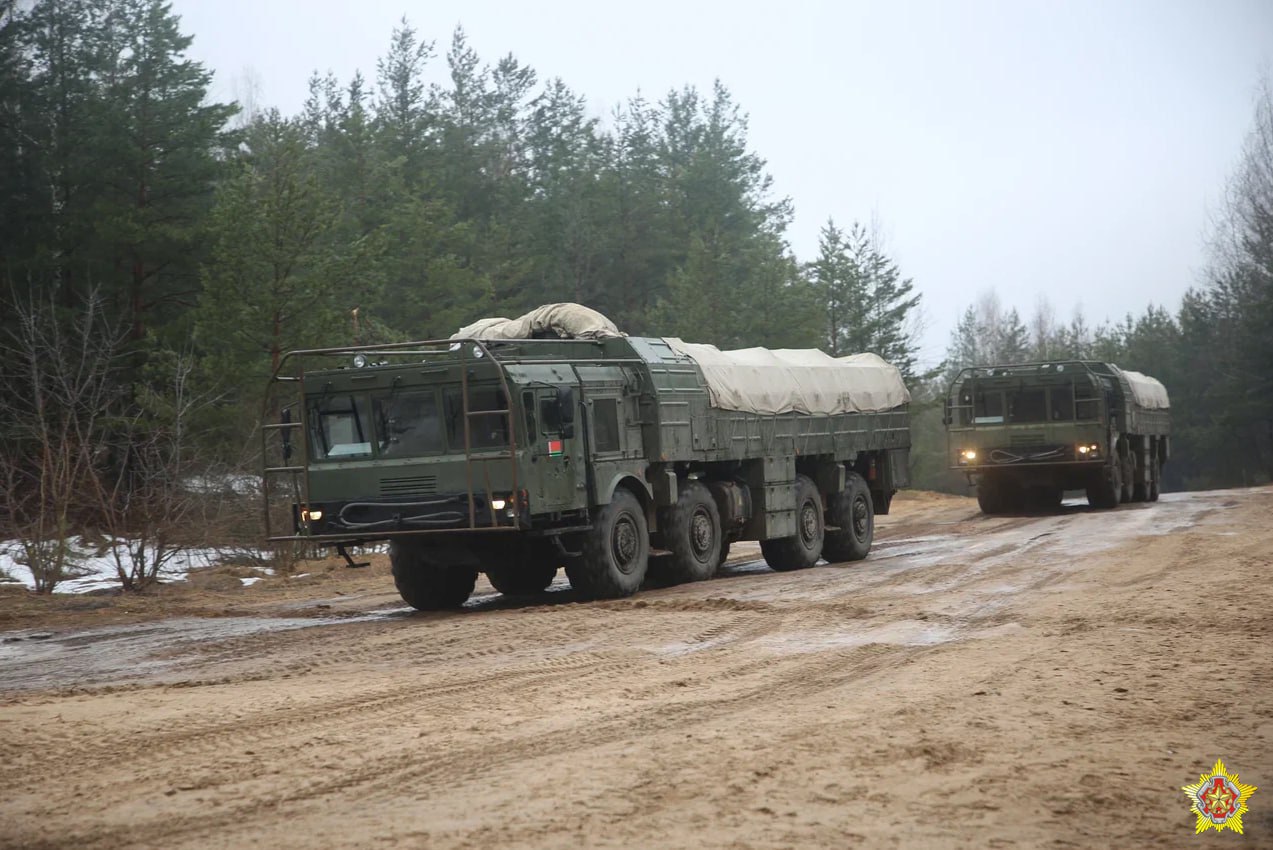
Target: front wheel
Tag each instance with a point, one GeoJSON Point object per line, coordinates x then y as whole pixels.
{"type": "Point", "coordinates": [851, 510]}
{"type": "Point", "coordinates": [990, 495]}
{"type": "Point", "coordinates": [802, 549]}
{"type": "Point", "coordinates": [1155, 473]}
{"type": "Point", "coordinates": [1106, 489]}
{"type": "Point", "coordinates": [616, 551]}
{"type": "Point", "coordinates": [426, 584]}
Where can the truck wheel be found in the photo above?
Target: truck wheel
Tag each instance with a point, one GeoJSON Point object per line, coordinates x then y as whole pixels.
{"type": "Point", "coordinates": [1126, 474]}
{"type": "Point", "coordinates": [526, 580]}
{"type": "Point", "coordinates": [1106, 490]}
{"type": "Point", "coordinates": [802, 549]}
{"type": "Point", "coordinates": [427, 585]}
{"type": "Point", "coordinates": [691, 531]}
{"type": "Point", "coordinates": [1140, 490]}
{"type": "Point", "coordinates": [990, 496]}
{"type": "Point", "coordinates": [852, 511]}
{"type": "Point", "coordinates": [1155, 473]}
{"type": "Point", "coordinates": [616, 551]}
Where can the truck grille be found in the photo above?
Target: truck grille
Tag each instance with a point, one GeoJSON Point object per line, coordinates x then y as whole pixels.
{"type": "Point", "coordinates": [1026, 439]}
{"type": "Point", "coordinates": [419, 484]}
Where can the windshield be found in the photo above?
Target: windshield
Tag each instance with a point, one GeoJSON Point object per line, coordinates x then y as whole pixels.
{"type": "Point", "coordinates": [408, 424]}
{"type": "Point", "coordinates": [486, 430]}
{"type": "Point", "coordinates": [339, 428]}
{"type": "Point", "coordinates": [981, 405]}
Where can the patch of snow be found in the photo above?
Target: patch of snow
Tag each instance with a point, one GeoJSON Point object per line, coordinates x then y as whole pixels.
{"type": "Point", "coordinates": [240, 485]}
{"type": "Point", "coordinates": [250, 580]}
{"type": "Point", "coordinates": [93, 567]}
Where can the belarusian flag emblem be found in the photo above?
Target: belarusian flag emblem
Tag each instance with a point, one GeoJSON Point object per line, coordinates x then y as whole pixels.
{"type": "Point", "coordinates": [554, 448]}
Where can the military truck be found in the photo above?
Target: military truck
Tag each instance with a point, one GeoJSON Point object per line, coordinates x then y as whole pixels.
{"type": "Point", "coordinates": [622, 459]}
{"type": "Point", "coordinates": [1025, 434]}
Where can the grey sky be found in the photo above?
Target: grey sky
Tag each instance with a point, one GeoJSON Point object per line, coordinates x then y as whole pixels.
{"type": "Point", "coordinates": [1077, 150]}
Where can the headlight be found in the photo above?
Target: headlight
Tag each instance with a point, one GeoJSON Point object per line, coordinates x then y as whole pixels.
{"type": "Point", "coordinates": [1089, 450]}
{"type": "Point", "coordinates": [967, 455]}
{"type": "Point", "coordinates": [360, 361]}
{"type": "Point", "coordinates": [498, 504]}
{"type": "Point", "coordinates": [311, 515]}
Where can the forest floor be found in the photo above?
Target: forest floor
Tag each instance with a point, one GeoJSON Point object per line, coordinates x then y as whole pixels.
{"type": "Point", "coordinates": [1042, 681]}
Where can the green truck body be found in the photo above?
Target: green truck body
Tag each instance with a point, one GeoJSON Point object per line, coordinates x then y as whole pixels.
{"type": "Point", "coordinates": [1024, 434]}
{"type": "Point", "coordinates": [515, 457]}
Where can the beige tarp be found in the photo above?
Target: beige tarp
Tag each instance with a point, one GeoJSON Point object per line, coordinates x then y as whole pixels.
{"type": "Point", "coordinates": [1146, 391]}
{"type": "Point", "coordinates": [758, 380]}
{"type": "Point", "coordinates": [569, 321]}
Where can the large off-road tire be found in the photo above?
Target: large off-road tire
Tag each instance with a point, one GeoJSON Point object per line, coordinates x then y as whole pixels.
{"type": "Point", "coordinates": [724, 554]}
{"type": "Point", "coordinates": [691, 532]}
{"type": "Point", "coordinates": [1155, 478]}
{"type": "Point", "coordinates": [1126, 471]}
{"type": "Point", "coordinates": [1140, 489]}
{"type": "Point", "coordinates": [425, 584]}
{"type": "Point", "coordinates": [523, 579]}
{"type": "Point", "coordinates": [616, 551]}
{"type": "Point", "coordinates": [852, 511]}
{"type": "Point", "coordinates": [1106, 491]}
{"type": "Point", "coordinates": [991, 495]}
{"type": "Point", "coordinates": [802, 549]}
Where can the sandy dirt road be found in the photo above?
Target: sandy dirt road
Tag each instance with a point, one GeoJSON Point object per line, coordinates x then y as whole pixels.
{"type": "Point", "coordinates": [1043, 681]}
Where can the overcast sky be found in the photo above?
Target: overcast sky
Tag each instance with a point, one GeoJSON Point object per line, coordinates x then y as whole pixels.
{"type": "Point", "coordinates": [1072, 150]}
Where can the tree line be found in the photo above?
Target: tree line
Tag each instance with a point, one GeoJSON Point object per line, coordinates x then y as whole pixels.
{"type": "Point", "coordinates": [183, 244]}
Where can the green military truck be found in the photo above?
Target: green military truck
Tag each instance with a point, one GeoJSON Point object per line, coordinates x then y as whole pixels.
{"type": "Point", "coordinates": [1024, 434]}
{"type": "Point", "coordinates": [512, 451]}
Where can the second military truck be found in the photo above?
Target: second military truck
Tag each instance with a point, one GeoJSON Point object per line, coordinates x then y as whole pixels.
{"type": "Point", "coordinates": [521, 446]}
{"type": "Point", "coordinates": [1024, 434]}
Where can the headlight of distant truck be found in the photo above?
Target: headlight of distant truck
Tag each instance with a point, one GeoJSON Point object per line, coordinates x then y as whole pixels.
{"type": "Point", "coordinates": [968, 456]}
{"type": "Point", "coordinates": [1088, 450]}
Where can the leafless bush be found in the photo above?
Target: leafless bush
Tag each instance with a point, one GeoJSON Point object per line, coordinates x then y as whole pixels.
{"type": "Point", "coordinates": [59, 379]}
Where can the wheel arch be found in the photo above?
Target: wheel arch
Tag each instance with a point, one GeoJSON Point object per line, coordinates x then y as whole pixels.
{"type": "Point", "coordinates": [628, 481]}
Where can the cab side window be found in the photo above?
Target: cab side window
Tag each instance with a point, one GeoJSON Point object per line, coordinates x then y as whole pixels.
{"type": "Point", "coordinates": [549, 415]}
{"type": "Point", "coordinates": [605, 413]}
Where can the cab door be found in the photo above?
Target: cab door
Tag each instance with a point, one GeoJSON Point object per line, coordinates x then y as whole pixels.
{"type": "Point", "coordinates": [558, 481]}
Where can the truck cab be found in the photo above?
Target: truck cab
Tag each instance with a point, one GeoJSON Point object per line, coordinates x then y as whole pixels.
{"type": "Point", "coordinates": [1026, 433]}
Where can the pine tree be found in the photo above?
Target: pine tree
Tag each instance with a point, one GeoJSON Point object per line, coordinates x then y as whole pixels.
{"type": "Point", "coordinates": [162, 142]}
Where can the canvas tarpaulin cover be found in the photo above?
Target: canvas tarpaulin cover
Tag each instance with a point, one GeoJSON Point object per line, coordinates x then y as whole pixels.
{"type": "Point", "coordinates": [1147, 392]}
{"type": "Point", "coordinates": [565, 320]}
{"type": "Point", "coordinates": [806, 380]}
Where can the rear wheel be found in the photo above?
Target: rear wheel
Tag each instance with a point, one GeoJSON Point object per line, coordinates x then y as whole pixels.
{"type": "Point", "coordinates": [426, 584]}
{"type": "Point", "coordinates": [851, 510]}
{"type": "Point", "coordinates": [616, 550]}
{"type": "Point", "coordinates": [802, 549]}
{"type": "Point", "coordinates": [1126, 472]}
{"type": "Point", "coordinates": [691, 531]}
{"type": "Point", "coordinates": [1140, 488]}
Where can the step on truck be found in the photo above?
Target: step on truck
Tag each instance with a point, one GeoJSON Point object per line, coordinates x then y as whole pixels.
{"type": "Point", "coordinates": [518, 447]}
{"type": "Point", "coordinates": [1025, 434]}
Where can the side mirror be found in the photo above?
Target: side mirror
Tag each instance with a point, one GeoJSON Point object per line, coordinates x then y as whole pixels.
{"type": "Point", "coordinates": [286, 419]}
